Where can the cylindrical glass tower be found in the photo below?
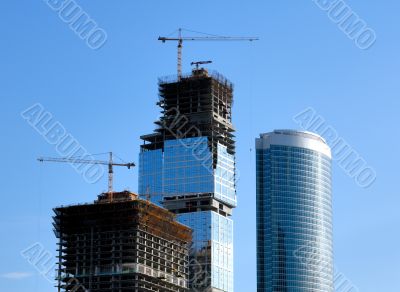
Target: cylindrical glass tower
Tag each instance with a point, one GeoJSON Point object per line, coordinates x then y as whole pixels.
{"type": "Point", "coordinates": [294, 213]}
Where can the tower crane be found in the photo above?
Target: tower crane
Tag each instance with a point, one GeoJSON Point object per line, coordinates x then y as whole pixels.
{"type": "Point", "coordinates": [110, 164]}
{"type": "Point", "coordinates": [181, 38]}
{"type": "Point", "coordinates": [200, 63]}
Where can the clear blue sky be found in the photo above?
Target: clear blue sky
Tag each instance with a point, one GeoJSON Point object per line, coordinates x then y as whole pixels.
{"type": "Point", "coordinates": [106, 100]}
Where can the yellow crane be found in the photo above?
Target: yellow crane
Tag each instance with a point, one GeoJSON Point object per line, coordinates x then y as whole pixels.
{"type": "Point", "coordinates": [181, 38]}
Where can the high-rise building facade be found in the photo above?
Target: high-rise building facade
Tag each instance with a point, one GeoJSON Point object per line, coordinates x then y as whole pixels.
{"type": "Point", "coordinates": [188, 166]}
{"type": "Point", "coordinates": [294, 213]}
{"type": "Point", "coordinates": [121, 243]}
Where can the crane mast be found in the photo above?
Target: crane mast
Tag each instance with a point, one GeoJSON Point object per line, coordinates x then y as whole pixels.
{"type": "Point", "coordinates": [180, 43]}
{"type": "Point", "coordinates": [110, 174]}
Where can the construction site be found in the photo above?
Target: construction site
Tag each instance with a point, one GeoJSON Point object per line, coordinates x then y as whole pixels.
{"type": "Point", "coordinates": [121, 243]}
{"type": "Point", "coordinates": [196, 105]}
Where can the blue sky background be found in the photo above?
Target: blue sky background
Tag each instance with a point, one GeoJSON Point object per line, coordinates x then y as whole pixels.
{"type": "Point", "coordinates": [106, 100]}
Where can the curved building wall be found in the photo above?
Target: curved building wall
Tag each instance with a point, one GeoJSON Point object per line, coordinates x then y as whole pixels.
{"type": "Point", "coordinates": [294, 213]}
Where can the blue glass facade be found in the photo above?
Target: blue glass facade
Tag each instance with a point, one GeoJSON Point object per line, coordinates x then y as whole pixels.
{"type": "Point", "coordinates": [213, 248]}
{"type": "Point", "coordinates": [151, 174]}
{"type": "Point", "coordinates": [186, 167]}
{"type": "Point", "coordinates": [224, 177]}
{"type": "Point", "coordinates": [294, 213]}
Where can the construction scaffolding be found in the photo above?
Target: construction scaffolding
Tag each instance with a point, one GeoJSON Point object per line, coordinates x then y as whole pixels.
{"type": "Point", "coordinates": [199, 104]}
{"type": "Point", "coordinates": [123, 244]}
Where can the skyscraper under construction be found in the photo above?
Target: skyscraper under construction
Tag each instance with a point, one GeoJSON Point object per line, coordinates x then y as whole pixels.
{"type": "Point", "coordinates": [188, 166]}
{"type": "Point", "coordinates": [121, 243]}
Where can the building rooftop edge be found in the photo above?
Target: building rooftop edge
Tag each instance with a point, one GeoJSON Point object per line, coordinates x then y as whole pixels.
{"type": "Point", "coordinates": [294, 132]}
{"type": "Point", "coordinates": [295, 138]}
{"type": "Point", "coordinates": [196, 74]}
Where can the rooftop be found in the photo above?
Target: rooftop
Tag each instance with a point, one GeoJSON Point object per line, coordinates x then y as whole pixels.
{"type": "Point", "coordinates": [290, 132]}
{"type": "Point", "coordinates": [294, 138]}
{"type": "Point", "coordinates": [196, 74]}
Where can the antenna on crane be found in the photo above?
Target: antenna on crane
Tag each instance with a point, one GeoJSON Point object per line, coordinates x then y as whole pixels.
{"type": "Point", "coordinates": [209, 37]}
{"type": "Point", "coordinates": [110, 164]}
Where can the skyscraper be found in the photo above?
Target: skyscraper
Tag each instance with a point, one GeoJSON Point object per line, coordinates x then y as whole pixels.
{"type": "Point", "coordinates": [294, 213]}
{"type": "Point", "coordinates": [188, 166]}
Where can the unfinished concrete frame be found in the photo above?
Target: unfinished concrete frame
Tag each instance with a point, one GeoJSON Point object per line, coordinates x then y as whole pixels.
{"type": "Point", "coordinates": [124, 245]}
{"type": "Point", "coordinates": [197, 105]}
